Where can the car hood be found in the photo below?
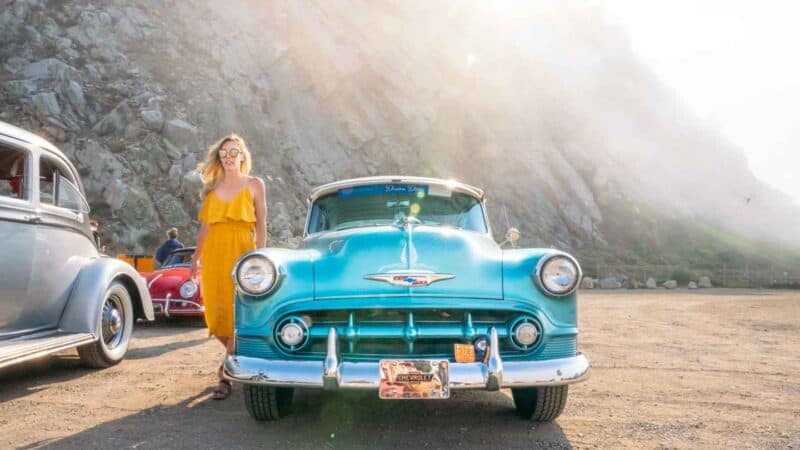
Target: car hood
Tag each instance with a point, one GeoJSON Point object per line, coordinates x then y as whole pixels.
{"type": "Point", "coordinates": [166, 279]}
{"type": "Point", "coordinates": [387, 260]}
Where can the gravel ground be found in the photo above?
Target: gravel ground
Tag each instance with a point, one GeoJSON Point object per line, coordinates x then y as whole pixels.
{"type": "Point", "coordinates": [714, 369]}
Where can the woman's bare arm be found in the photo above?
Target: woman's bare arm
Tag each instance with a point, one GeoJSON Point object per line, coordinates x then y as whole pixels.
{"type": "Point", "coordinates": [198, 251]}
{"type": "Point", "coordinates": [260, 199]}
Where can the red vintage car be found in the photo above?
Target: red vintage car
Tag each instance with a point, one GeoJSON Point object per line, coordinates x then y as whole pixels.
{"type": "Point", "coordinates": [173, 293]}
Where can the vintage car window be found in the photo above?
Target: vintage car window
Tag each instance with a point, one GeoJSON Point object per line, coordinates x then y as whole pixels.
{"type": "Point", "coordinates": [12, 173]}
{"type": "Point", "coordinates": [386, 204]}
{"type": "Point", "coordinates": [57, 187]}
{"type": "Point", "coordinates": [70, 197]}
{"type": "Point", "coordinates": [178, 259]}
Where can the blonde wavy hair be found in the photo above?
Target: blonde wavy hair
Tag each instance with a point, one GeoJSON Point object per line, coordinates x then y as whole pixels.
{"type": "Point", "coordinates": [212, 172]}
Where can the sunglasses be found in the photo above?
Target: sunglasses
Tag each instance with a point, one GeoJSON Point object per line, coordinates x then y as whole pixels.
{"type": "Point", "coordinates": [233, 153]}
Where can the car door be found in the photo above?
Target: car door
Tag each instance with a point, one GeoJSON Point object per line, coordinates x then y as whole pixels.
{"type": "Point", "coordinates": [17, 238]}
{"type": "Point", "coordinates": [63, 239]}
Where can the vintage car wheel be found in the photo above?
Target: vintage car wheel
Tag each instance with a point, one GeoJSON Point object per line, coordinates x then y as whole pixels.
{"type": "Point", "coordinates": [541, 404]}
{"type": "Point", "coordinates": [114, 328]}
{"type": "Point", "coordinates": [268, 402]}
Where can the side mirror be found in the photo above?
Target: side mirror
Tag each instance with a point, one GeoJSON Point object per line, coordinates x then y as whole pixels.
{"type": "Point", "coordinates": [512, 236]}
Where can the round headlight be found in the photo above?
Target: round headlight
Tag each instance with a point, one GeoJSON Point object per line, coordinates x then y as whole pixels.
{"type": "Point", "coordinates": [256, 275]}
{"type": "Point", "coordinates": [526, 333]}
{"type": "Point", "coordinates": [559, 274]}
{"type": "Point", "coordinates": [292, 334]}
{"type": "Point", "coordinates": [188, 289]}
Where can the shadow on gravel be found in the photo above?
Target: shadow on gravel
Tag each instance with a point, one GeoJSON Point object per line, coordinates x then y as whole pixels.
{"type": "Point", "coordinates": [26, 378]}
{"type": "Point", "coordinates": [327, 420]}
{"type": "Point", "coordinates": [158, 350]}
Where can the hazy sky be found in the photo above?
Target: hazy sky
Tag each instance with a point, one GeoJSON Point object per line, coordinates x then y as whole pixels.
{"type": "Point", "coordinates": [736, 64]}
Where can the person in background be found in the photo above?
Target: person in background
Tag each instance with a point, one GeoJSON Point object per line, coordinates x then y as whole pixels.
{"type": "Point", "coordinates": [168, 246]}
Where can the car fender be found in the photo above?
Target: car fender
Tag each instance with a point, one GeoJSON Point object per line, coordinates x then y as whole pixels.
{"type": "Point", "coordinates": [83, 307]}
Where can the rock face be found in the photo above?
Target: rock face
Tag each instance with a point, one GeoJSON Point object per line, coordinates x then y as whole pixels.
{"type": "Point", "coordinates": [670, 284]}
{"type": "Point", "coordinates": [135, 91]}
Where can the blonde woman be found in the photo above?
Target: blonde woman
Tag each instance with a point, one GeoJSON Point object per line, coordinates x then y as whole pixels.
{"type": "Point", "coordinates": [232, 222]}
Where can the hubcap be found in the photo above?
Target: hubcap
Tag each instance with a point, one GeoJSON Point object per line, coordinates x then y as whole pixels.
{"type": "Point", "coordinates": [113, 321]}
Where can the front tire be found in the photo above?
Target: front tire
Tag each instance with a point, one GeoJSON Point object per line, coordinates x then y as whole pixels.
{"type": "Point", "coordinates": [268, 402]}
{"type": "Point", "coordinates": [114, 330]}
{"type": "Point", "coordinates": [540, 404]}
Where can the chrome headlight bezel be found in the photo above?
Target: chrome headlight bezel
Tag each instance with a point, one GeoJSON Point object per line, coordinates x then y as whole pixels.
{"type": "Point", "coordinates": [188, 289]}
{"type": "Point", "coordinates": [246, 263]}
{"type": "Point", "coordinates": [539, 274]}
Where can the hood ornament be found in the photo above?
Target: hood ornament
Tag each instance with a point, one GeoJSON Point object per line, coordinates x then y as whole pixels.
{"type": "Point", "coordinates": [410, 278]}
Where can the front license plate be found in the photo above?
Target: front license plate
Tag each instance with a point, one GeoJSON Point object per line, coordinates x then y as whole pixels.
{"type": "Point", "coordinates": [414, 379]}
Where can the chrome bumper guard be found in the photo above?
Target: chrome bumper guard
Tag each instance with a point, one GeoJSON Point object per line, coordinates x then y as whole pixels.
{"type": "Point", "coordinates": [331, 374]}
{"type": "Point", "coordinates": [164, 305]}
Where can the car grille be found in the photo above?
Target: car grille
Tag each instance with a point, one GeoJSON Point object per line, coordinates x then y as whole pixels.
{"type": "Point", "coordinates": [382, 333]}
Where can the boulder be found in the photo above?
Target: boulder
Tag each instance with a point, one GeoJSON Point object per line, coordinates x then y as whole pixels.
{"type": "Point", "coordinates": [153, 118]}
{"type": "Point", "coordinates": [114, 121]}
{"type": "Point", "coordinates": [651, 283]}
{"type": "Point", "coordinates": [692, 285]}
{"type": "Point", "coordinates": [50, 68]}
{"type": "Point", "coordinates": [171, 210]}
{"type": "Point", "coordinates": [192, 184]}
{"type": "Point", "coordinates": [137, 211]}
{"type": "Point", "coordinates": [45, 104]}
{"type": "Point", "coordinates": [704, 282]}
{"type": "Point", "coordinates": [610, 283]}
{"type": "Point", "coordinates": [180, 133]}
{"type": "Point", "coordinates": [587, 283]}
{"type": "Point", "coordinates": [670, 284]}
{"type": "Point", "coordinates": [73, 92]}
{"type": "Point", "coordinates": [115, 194]}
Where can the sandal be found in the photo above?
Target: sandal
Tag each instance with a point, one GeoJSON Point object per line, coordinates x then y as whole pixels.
{"type": "Point", "coordinates": [223, 390]}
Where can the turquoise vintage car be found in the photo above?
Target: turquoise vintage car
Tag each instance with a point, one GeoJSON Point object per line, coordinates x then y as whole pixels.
{"type": "Point", "coordinates": [398, 287]}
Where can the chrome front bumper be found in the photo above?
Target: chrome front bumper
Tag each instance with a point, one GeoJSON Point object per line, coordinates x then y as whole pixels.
{"type": "Point", "coordinates": [165, 306]}
{"type": "Point", "coordinates": [331, 374]}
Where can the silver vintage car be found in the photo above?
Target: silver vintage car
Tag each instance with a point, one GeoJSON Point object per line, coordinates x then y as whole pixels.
{"type": "Point", "coordinates": [56, 291]}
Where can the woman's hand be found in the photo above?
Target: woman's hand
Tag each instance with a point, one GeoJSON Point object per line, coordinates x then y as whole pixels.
{"type": "Point", "coordinates": [194, 270]}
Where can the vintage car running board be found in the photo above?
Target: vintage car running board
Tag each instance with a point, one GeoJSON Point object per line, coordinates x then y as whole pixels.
{"type": "Point", "coordinates": [23, 349]}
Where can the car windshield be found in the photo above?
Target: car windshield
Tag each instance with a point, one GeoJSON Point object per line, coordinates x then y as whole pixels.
{"type": "Point", "coordinates": [178, 259]}
{"type": "Point", "coordinates": [387, 204]}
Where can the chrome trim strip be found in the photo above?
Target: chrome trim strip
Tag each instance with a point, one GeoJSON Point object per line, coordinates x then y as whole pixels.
{"type": "Point", "coordinates": [366, 375]}
{"type": "Point", "coordinates": [17, 351]}
{"type": "Point", "coordinates": [400, 277]}
{"type": "Point", "coordinates": [155, 278]}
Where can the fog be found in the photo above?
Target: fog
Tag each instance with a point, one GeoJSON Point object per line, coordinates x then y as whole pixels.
{"type": "Point", "coordinates": [546, 94]}
{"type": "Point", "coordinates": [542, 104]}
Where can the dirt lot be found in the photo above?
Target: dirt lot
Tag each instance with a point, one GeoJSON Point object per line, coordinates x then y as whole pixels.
{"type": "Point", "coordinates": [717, 368]}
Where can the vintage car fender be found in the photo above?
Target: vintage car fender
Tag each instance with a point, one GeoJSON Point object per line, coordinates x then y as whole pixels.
{"type": "Point", "coordinates": [81, 313]}
{"type": "Point", "coordinates": [520, 283]}
{"type": "Point", "coordinates": [295, 284]}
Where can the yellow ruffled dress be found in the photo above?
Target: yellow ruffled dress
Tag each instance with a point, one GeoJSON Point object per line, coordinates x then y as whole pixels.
{"type": "Point", "coordinates": [231, 233]}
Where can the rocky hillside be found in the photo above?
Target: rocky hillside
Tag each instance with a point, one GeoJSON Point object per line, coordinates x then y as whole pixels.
{"type": "Point", "coordinates": [545, 107]}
